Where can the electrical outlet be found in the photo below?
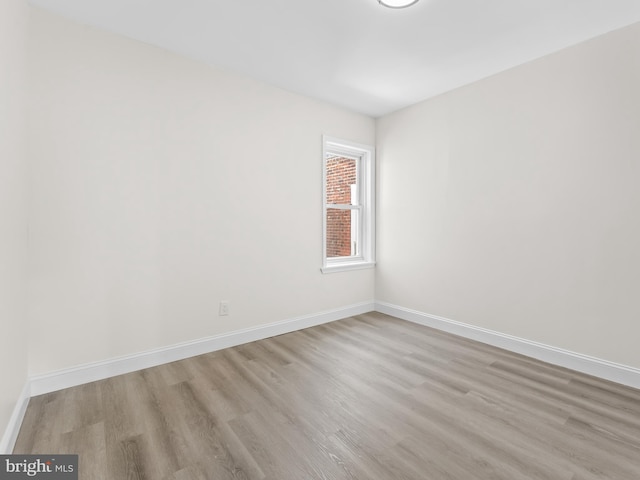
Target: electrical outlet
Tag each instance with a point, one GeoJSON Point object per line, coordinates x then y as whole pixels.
{"type": "Point", "coordinates": [224, 308]}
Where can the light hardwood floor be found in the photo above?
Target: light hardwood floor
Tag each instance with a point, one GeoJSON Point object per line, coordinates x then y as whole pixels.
{"type": "Point", "coordinates": [369, 397]}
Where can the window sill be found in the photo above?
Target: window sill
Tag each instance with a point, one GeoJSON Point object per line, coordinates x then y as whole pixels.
{"type": "Point", "coordinates": [347, 266]}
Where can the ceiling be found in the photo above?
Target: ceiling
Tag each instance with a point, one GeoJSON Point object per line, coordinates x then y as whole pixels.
{"type": "Point", "coordinates": [357, 53]}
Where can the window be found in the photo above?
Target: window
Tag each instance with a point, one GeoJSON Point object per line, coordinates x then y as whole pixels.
{"type": "Point", "coordinates": [349, 201]}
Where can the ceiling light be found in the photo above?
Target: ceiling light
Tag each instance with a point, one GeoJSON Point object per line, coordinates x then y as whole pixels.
{"type": "Point", "coordinates": [397, 3]}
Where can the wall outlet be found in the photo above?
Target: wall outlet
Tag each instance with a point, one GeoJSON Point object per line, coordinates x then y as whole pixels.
{"type": "Point", "coordinates": [224, 308]}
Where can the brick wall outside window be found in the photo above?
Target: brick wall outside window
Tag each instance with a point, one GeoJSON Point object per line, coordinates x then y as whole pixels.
{"type": "Point", "coordinates": [341, 174]}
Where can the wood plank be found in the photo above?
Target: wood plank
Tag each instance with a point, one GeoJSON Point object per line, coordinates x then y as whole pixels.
{"type": "Point", "coordinates": [370, 397]}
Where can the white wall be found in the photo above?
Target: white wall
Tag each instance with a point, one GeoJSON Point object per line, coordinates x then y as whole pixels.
{"type": "Point", "coordinates": [13, 206]}
{"type": "Point", "coordinates": [513, 204]}
{"type": "Point", "coordinates": [161, 186]}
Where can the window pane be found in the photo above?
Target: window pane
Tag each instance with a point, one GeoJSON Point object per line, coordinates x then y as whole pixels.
{"type": "Point", "coordinates": [342, 228]}
{"type": "Point", "coordinates": [341, 180]}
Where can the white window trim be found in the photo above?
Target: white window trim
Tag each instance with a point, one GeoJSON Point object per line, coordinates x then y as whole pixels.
{"type": "Point", "coordinates": [367, 183]}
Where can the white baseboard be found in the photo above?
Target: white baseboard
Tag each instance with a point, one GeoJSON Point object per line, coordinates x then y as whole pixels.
{"type": "Point", "coordinates": [71, 377]}
{"type": "Point", "coordinates": [13, 427]}
{"type": "Point", "coordinates": [92, 372]}
{"type": "Point", "coordinates": [78, 375]}
{"type": "Point", "coordinates": [557, 356]}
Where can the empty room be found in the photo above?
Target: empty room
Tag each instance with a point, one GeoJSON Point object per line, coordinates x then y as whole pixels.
{"type": "Point", "coordinates": [338, 239]}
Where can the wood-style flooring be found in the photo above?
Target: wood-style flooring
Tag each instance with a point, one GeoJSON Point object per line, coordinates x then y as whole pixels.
{"type": "Point", "coordinates": [370, 397]}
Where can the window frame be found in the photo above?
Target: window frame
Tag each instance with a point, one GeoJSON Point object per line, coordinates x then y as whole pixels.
{"type": "Point", "coordinates": [365, 181]}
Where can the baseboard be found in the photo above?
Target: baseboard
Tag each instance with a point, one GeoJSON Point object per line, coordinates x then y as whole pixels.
{"type": "Point", "coordinates": [557, 356]}
{"type": "Point", "coordinates": [15, 421]}
{"type": "Point", "coordinates": [71, 377]}
{"type": "Point", "coordinates": [92, 372]}
{"type": "Point", "coordinates": [117, 366]}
